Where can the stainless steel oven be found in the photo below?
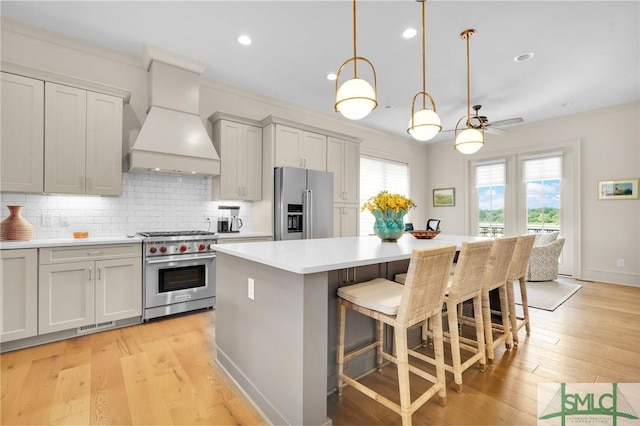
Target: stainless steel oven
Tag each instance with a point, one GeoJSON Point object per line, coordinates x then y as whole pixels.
{"type": "Point", "coordinates": [179, 272]}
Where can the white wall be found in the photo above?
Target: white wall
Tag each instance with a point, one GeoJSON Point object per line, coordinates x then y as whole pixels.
{"type": "Point", "coordinates": [610, 148]}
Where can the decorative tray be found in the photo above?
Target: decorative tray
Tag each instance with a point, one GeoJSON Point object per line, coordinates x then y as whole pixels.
{"type": "Point", "coordinates": [424, 235]}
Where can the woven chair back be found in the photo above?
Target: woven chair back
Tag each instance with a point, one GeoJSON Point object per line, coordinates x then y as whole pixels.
{"type": "Point", "coordinates": [521, 254]}
{"type": "Point", "coordinates": [498, 266]}
{"type": "Point", "coordinates": [424, 289]}
{"type": "Point", "coordinates": [472, 262]}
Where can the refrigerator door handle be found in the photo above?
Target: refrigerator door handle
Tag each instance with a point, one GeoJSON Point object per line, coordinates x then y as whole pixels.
{"type": "Point", "coordinates": [307, 208]}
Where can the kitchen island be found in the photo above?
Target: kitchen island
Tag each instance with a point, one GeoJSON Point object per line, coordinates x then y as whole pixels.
{"type": "Point", "coordinates": [276, 316]}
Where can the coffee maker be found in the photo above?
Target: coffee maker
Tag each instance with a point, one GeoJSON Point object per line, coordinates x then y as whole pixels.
{"type": "Point", "coordinates": [229, 220]}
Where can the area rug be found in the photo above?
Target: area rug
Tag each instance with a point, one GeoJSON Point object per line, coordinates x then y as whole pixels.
{"type": "Point", "coordinates": [547, 295]}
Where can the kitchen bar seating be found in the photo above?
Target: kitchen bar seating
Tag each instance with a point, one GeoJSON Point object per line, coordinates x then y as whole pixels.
{"type": "Point", "coordinates": [517, 272]}
{"type": "Point", "coordinates": [494, 278]}
{"type": "Point", "coordinates": [401, 307]}
{"type": "Point", "coordinates": [464, 285]}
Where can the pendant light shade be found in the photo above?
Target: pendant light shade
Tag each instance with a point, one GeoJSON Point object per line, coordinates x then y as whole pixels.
{"type": "Point", "coordinates": [471, 139]}
{"type": "Point", "coordinates": [356, 98]}
{"type": "Point", "coordinates": [424, 123]}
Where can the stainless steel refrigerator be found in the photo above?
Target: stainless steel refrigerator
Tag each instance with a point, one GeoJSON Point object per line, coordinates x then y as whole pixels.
{"type": "Point", "coordinates": [303, 204]}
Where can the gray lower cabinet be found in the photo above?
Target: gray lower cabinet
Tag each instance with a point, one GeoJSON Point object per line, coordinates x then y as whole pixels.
{"type": "Point", "coordinates": [19, 294]}
{"type": "Point", "coordinates": [88, 285]}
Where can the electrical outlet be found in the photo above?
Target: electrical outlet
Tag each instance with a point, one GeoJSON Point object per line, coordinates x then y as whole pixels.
{"type": "Point", "coordinates": [621, 263]}
{"type": "Point", "coordinates": [250, 285]}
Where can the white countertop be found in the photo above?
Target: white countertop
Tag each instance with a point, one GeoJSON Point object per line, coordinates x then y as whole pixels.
{"type": "Point", "coordinates": [242, 234]}
{"type": "Point", "coordinates": [327, 254]}
{"type": "Point", "coordinates": [60, 242]}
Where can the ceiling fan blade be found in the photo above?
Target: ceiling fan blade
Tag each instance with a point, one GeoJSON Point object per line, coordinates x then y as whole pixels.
{"type": "Point", "coordinates": [494, 130]}
{"type": "Point", "coordinates": [507, 122]}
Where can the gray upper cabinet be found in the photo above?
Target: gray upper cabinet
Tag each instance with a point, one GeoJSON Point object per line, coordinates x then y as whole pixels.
{"type": "Point", "coordinates": [59, 139]}
{"type": "Point", "coordinates": [83, 142]}
{"type": "Point", "coordinates": [22, 148]}
{"type": "Point", "coordinates": [238, 141]}
{"type": "Point", "coordinates": [300, 148]}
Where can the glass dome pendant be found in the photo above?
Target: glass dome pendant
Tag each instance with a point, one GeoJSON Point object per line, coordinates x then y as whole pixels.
{"type": "Point", "coordinates": [424, 123]}
{"type": "Point", "coordinates": [471, 139]}
{"type": "Point", "coordinates": [356, 98]}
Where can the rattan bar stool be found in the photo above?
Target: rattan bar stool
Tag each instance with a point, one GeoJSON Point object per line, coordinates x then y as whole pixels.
{"type": "Point", "coordinates": [517, 272]}
{"type": "Point", "coordinates": [401, 307]}
{"type": "Point", "coordinates": [496, 278]}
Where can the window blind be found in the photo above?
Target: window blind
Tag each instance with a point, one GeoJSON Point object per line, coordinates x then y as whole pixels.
{"type": "Point", "coordinates": [542, 168]}
{"type": "Point", "coordinates": [490, 174]}
{"type": "Point", "coordinates": [377, 174]}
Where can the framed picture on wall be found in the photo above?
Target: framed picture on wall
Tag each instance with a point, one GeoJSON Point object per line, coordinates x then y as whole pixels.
{"type": "Point", "coordinates": [443, 197]}
{"type": "Point", "coordinates": [619, 189]}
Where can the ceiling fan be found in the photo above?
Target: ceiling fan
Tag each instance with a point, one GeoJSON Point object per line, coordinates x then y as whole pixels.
{"type": "Point", "coordinates": [476, 121]}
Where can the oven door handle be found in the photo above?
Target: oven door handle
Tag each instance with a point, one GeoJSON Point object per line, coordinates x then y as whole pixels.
{"type": "Point", "coordinates": [180, 259]}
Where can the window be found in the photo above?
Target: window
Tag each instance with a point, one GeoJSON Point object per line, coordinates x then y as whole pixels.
{"type": "Point", "coordinates": [542, 177]}
{"type": "Point", "coordinates": [376, 175]}
{"type": "Point", "coordinates": [490, 185]}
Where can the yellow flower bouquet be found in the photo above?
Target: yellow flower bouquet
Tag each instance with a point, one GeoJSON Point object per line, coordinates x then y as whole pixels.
{"type": "Point", "coordinates": [388, 210]}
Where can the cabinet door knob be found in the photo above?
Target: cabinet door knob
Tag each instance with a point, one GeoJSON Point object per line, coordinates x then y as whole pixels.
{"type": "Point", "coordinates": [90, 273]}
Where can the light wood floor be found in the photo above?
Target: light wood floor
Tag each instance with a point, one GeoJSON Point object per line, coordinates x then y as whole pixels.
{"type": "Point", "coordinates": [164, 372]}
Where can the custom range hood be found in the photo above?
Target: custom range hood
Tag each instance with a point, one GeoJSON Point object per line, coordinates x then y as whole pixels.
{"type": "Point", "coordinates": [173, 137]}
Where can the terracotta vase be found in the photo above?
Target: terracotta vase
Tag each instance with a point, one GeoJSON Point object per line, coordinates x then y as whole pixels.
{"type": "Point", "coordinates": [14, 227]}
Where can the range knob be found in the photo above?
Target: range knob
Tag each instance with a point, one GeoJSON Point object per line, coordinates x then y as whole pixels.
{"type": "Point", "coordinates": [201, 247]}
{"type": "Point", "coordinates": [163, 249]}
{"type": "Point", "coordinates": [183, 249]}
{"type": "Point", "coordinates": [152, 250]}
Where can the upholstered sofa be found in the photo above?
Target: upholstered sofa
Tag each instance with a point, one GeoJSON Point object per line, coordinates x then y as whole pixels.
{"type": "Point", "coordinates": [543, 262]}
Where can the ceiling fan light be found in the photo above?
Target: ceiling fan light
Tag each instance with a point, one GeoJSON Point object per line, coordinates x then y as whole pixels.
{"type": "Point", "coordinates": [355, 99]}
{"type": "Point", "coordinates": [469, 141]}
{"type": "Point", "coordinates": [426, 124]}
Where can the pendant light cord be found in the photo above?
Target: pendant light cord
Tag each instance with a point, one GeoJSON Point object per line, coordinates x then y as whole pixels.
{"type": "Point", "coordinates": [424, 60]}
{"type": "Point", "coordinates": [355, 62]}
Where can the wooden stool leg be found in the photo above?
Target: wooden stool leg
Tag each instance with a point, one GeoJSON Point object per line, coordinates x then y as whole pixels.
{"type": "Point", "coordinates": [380, 338]}
{"type": "Point", "coordinates": [400, 337]}
{"type": "Point", "coordinates": [477, 314]}
{"type": "Point", "coordinates": [504, 308]}
{"type": "Point", "coordinates": [511, 299]}
{"type": "Point", "coordinates": [340, 352]}
{"type": "Point", "coordinates": [525, 304]}
{"type": "Point", "coordinates": [438, 350]}
{"type": "Point", "coordinates": [454, 337]}
{"type": "Point", "coordinates": [488, 332]}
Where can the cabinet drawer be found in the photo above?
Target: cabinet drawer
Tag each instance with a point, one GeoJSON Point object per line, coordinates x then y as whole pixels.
{"type": "Point", "coordinates": [98, 252]}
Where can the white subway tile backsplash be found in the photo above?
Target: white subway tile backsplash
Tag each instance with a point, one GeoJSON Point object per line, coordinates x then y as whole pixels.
{"type": "Point", "coordinates": [149, 202]}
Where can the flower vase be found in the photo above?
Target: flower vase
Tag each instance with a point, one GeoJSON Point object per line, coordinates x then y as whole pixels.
{"type": "Point", "coordinates": [15, 227]}
{"type": "Point", "coordinates": [389, 224]}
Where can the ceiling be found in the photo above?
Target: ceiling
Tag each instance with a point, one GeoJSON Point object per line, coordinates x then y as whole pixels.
{"type": "Point", "coordinates": [586, 53]}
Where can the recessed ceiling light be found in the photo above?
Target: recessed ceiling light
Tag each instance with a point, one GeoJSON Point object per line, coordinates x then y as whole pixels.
{"type": "Point", "coordinates": [244, 40]}
{"type": "Point", "coordinates": [409, 33]}
{"type": "Point", "coordinates": [524, 57]}
{"type": "Point", "coordinates": [388, 106]}
{"type": "Point", "coordinates": [566, 104]}
{"type": "Point", "coordinates": [331, 76]}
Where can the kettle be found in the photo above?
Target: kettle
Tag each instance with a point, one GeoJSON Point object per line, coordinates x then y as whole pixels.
{"type": "Point", "coordinates": [236, 224]}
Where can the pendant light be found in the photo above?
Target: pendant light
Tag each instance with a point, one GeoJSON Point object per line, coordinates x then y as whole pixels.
{"type": "Point", "coordinates": [356, 98]}
{"type": "Point", "coordinates": [424, 123]}
{"type": "Point", "coordinates": [471, 139]}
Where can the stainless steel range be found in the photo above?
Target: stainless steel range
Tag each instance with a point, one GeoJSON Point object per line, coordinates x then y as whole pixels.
{"type": "Point", "coordinates": [179, 272]}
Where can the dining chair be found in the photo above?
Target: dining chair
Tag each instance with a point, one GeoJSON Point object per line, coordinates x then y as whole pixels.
{"type": "Point", "coordinates": [401, 307]}
{"type": "Point", "coordinates": [433, 225]}
{"type": "Point", "coordinates": [517, 272]}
